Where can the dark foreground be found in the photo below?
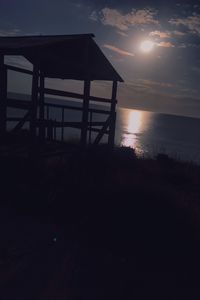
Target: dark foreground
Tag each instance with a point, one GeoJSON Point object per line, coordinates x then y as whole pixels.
{"type": "Point", "coordinates": [97, 225]}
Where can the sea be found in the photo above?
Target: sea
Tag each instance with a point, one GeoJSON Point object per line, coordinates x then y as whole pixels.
{"type": "Point", "coordinates": [152, 133]}
{"type": "Point", "coordinates": [148, 133]}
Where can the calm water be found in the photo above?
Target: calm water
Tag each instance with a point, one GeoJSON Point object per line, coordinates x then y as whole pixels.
{"type": "Point", "coordinates": [148, 133]}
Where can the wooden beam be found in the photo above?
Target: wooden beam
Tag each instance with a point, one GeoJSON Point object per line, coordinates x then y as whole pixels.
{"type": "Point", "coordinates": [111, 137]}
{"type": "Point", "coordinates": [62, 93]}
{"type": "Point", "coordinates": [34, 101]}
{"type": "Point", "coordinates": [98, 130]}
{"type": "Point", "coordinates": [20, 70]}
{"type": "Point", "coordinates": [3, 95]}
{"type": "Point", "coordinates": [102, 131]}
{"type": "Point", "coordinates": [84, 129]}
{"type": "Point", "coordinates": [19, 104]}
{"type": "Point", "coordinates": [93, 110]}
{"type": "Point", "coordinates": [75, 95]}
{"type": "Point", "coordinates": [48, 104]}
{"type": "Point", "coordinates": [41, 107]}
{"type": "Point", "coordinates": [61, 124]}
{"type": "Point", "coordinates": [63, 120]}
{"type": "Point", "coordinates": [90, 126]}
{"type": "Point", "coordinates": [14, 119]}
{"type": "Point", "coordinates": [22, 121]}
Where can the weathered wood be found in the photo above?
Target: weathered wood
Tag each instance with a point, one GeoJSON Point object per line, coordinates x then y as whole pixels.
{"type": "Point", "coordinates": [85, 113]}
{"type": "Point", "coordinates": [48, 112]}
{"type": "Point", "coordinates": [22, 121]}
{"type": "Point", "coordinates": [39, 113]}
{"type": "Point", "coordinates": [3, 95]}
{"type": "Point", "coordinates": [90, 127]}
{"type": "Point", "coordinates": [19, 104]}
{"type": "Point", "coordinates": [75, 95]}
{"type": "Point", "coordinates": [54, 130]}
{"type": "Point", "coordinates": [34, 101]}
{"type": "Point", "coordinates": [111, 137]}
{"type": "Point", "coordinates": [20, 70]}
{"type": "Point", "coordinates": [99, 111]}
{"type": "Point", "coordinates": [102, 131]}
{"type": "Point", "coordinates": [61, 124]}
{"type": "Point", "coordinates": [99, 130]}
{"type": "Point", "coordinates": [41, 108]}
{"type": "Point", "coordinates": [50, 130]}
{"type": "Point", "coordinates": [63, 120]}
{"type": "Point", "coordinates": [14, 119]}
{"type": "Point", "coordinates": [76, 125]}
{"type": "Point", "coordinates": [69, 107]}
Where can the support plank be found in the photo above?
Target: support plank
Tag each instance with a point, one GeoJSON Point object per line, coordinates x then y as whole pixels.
{"type": "Point", "coordinates": [19, 104]}
{"type": "Point", "coordinates": [90, 127]}
{"type": "Point", "coordinates": [3, 95]}
{"type": "Point", "coordinates": [20, 70]}
{"type": "Point", "coordinates": [34, 101]}
{"type": "Point", "coordinates": [69, 107]}
{"type": "Point", "coordinates": [84, 128]}
{"type": "Point", "coordinates": [111, 137]}
{"type": "Point", "coordinates": [63, 120]}
{"type": "Point", "coordinates": [75, 95]}
{"type": "Point", "coordinates": [22, 121]}
{"type": "Point", "coordinates": [102, 131]}
{"type": "Point", "coordinates": [41, 111]}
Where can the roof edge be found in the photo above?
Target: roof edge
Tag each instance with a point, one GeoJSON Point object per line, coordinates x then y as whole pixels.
{"type": "Point", "coordinates": [49, 36]}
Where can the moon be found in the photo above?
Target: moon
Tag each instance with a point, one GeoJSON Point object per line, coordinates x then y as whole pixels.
{"type": "Point", "coordinates": [146, 46]}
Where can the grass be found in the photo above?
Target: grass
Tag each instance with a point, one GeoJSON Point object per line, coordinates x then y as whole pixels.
{"type": "Point", "coordinates": [135, 221]}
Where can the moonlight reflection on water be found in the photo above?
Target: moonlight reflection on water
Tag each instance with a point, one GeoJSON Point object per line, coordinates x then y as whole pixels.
{"type": "Point", "coordinates": [134, 124]}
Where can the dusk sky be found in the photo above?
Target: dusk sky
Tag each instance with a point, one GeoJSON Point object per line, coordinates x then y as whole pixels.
{"type": "Point", "coordinates": [164, 79]}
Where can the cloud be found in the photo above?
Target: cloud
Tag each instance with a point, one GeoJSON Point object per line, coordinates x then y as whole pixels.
{"type": "Point", "coordinates": [160, 34]}
{"type": "Point", "coordinates": [11, 32]}
{"type": "Point", "coordinates": [178, 33]}
{"type": "Point", "coordinates": [122, 33]}
{"type": "Point", "coordinates": [191, 22]}
{"type": "Point", "coordinates": [114, 18]}
{"type": "Point", "coordinates": [165, 44]}
{"type": "Point", "coordinates": [148, 82]}
{"type": "Point", "coordinates": [118, 50]}
{"type": "Point", "coordinates": [94, 16]}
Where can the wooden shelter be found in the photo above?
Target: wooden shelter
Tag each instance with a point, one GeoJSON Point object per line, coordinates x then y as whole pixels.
{"type": "Point", "coordinates": [74, 57]}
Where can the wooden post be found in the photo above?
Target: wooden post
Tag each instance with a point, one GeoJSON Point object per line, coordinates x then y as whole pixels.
{"type": "Point", "coordinates": [3, 95]}
{"type": "Point", "coordinates": [84, 128]}
{"type": "Point", "coordinates": [34, 100]}
{"type": "Point", "coordinates": [54, 130]}
{"type": "Point", "coordinates": [48, 113]}
{"type": "Point", "coordinates": [63, 119]}
{"type": "Point", "coordinates": [90, 131]}
{"type": "Point", "coordinates": [86, 96]}
{"type": "Point", "coordinates": [111, 137]}
{"type": "Point", "coordinates": [41, 114]}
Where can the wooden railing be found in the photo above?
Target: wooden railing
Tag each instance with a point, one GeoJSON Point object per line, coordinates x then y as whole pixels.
{"type": "Point", "coordinates": [43, 121]}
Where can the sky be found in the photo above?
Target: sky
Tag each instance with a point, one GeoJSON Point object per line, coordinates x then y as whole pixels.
{"type": "Point", "coordinates": [166, 79]}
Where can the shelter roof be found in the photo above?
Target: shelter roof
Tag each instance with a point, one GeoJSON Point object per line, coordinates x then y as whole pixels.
{"type": "Point", "coordinates": [63, 56]}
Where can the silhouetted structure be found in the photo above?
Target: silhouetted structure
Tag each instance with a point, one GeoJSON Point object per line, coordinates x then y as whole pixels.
{"type": "Point", "coordinates": [74, 57]}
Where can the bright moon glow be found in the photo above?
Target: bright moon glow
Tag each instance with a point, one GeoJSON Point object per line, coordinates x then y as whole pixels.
{"type": "Point", "coordinates": [147, 46]}
{"type": "Point", "coordinates": [134, 123]}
